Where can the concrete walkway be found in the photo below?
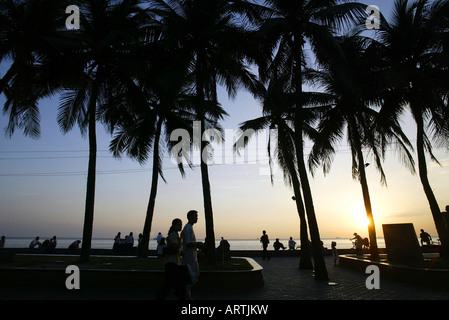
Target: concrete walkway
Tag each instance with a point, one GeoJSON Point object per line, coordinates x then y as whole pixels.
{"type": "Point", "coordinates": [283, 281]}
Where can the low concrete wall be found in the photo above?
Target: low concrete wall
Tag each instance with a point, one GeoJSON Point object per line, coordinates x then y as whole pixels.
{"type": "Point", "coordinates": [132, 279]}
{"type": "Point", "coordinates": [435, 278]}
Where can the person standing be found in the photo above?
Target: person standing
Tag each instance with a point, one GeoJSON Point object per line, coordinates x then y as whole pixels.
{"type": "Point", "coordinates": [130, 242]}
{"type": "Point", "coordinates": [190, 247]}
{"type": "Point", "coordinates": [117, 240]}
{"type": "Point", "coordinates": [159, 237]}
{"type": "Point", "coordinates": [265, 241]}
{"type": "Point", "coordinates": [139, 241]}
{"type": "Point", "coordinates": [335, 253]}
{"type": "Point", "coordinates": [174, 273]}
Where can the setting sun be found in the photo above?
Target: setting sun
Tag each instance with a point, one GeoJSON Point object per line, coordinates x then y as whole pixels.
{"type": "Point", "coordinates": [359, 216]}
{"type": "Point", "coordinates": [362, 220]}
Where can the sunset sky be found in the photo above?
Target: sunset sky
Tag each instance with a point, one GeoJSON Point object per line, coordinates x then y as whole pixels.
{"type": "Point", "coordinates": [43, 183]}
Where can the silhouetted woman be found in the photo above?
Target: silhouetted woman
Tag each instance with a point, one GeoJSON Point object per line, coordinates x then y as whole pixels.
{"type": "Point", "coordinates": [174, 273]}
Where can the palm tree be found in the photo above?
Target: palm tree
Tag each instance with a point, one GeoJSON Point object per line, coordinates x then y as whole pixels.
{"type": "Point", "coordinates": [285, 34]}
{"type": "Point", "coordinates": [158, 100]}
{"type": "Point", "coordinates": [30, 30]}
{"type": "Point", "coordinates": [108, 29]}
{"type": "Point", "coordinates": [206, 32]}
{"type": "Point", "coordinates": [416, 52]}
{"type": "Point", "coordinates": [349, 77]}
{"type": "Point", "coordinates": [277, 101]}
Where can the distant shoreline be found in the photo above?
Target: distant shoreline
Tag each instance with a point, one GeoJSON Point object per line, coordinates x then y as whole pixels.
{"type": "Point", "coordinates": [236, 244]}
{"type": "Point", "coordinates": [154, 238]}
{"type": "Point", "coordinates": [234, 253]}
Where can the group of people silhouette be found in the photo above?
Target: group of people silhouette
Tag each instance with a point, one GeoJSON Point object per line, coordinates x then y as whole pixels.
{"type": "Point", "coordinates": [125, 245]}
{"type": "Point", "coordinates": [49, 245]}
{"type": "Point", "coordinates": [277, 245]}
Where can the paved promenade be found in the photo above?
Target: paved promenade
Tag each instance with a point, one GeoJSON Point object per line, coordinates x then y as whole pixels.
{"type": "Point", "coordinates": [283, 281]}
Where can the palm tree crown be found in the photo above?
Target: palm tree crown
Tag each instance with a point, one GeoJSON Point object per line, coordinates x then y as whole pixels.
{"type": "Point", "coordinates": [206, 31]}
{"type": "Point", "coordinates": [102, 52]}
{"type": "Point", "coordinates": [415, 47]}
{"type": "Point", "coordinates": [348, 76]}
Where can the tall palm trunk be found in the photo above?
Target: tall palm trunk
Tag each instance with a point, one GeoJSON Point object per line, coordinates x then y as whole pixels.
{"type": "Point", "coordinates": [374, 251]}
{"type": "Point", "coordinates": [443, 233]}
{"type": "Point", "coordinates": [317, 248]}
{"type": "Point", "coordinates": [208, 212]}
{"type": "Point", "coordinates": [207, 199]}
{"type": "Point", "coordinates": [305, 261]}
{"type": "Point", "coordinates": [143, 249]}
{"type": "Point", "coordinates": [91, 177]}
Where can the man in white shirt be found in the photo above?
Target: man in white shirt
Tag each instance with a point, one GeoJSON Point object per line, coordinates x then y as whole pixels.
{"type": "Point", "coordinates": [190, 247]}
{"type": "Point", "coordinates": [291, 244]}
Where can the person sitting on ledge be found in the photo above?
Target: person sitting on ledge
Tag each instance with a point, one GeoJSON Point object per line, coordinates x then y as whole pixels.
{"type": "Point", "coordinates": [425, 238]}
{"type": "Point", "coordinates": [223, 250]}
{"type": "Point", "coordinates": [291, 244]}
{"type": "Point", "coordinates": [74, 246]}
{"type": "Point", "coordinates": [35, 243]}
{"type": "Point", "coordinates": [277, 245]}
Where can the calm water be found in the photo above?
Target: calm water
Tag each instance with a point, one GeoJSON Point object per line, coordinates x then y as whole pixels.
{"type": "Point", "coordinates": [236, 244]}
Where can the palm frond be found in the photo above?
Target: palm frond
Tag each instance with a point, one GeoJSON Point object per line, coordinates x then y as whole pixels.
{"type": "Point", "coordinates": [73, 109]}
{"type": "Point", "coordinates": [24, 114]}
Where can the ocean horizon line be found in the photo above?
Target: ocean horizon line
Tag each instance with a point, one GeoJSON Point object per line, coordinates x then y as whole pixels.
{"type": "Point", "coordinates": [236, 244]}
{"type": "Point", "coordinates": [154, 237]}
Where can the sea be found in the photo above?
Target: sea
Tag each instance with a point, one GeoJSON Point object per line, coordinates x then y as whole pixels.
{"type": "Point", "coordinates": [236, 244]}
